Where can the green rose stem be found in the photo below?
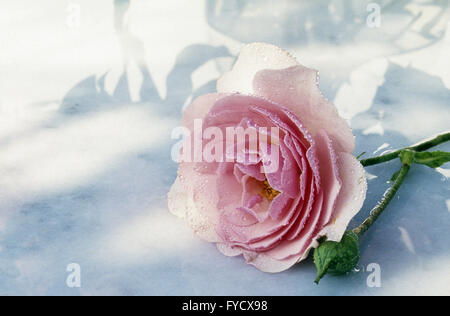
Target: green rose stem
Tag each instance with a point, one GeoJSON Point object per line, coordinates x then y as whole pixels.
{"type": "Point", "coordinates": [424, 145]}
{"type": "Point", "coordinates": [381, 206]}
{"type": "Point", "coordinates": [337, 258]}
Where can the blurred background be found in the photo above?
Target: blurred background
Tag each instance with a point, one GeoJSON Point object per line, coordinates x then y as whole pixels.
{"type": "Point", "coordinates": [91, 90]}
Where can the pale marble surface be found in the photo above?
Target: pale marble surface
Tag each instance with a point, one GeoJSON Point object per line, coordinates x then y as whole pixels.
{"type": "Point", "coordinates": [86, 111]}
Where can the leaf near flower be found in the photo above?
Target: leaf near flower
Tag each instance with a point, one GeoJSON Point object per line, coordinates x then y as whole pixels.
{"type": "Point", "coordinates": [433, 159]}
{"type": "Point", "coordinates": [337, 258]}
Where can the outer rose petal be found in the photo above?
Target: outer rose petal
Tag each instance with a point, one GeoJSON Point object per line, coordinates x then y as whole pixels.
{"type": "Point", "coordinates": [267, 264]}
{"type": "Point", "coordinates": [253, 58]}
{"type": "Point", "coordinates": [297, 89]}
{"type": "Point", "coordinates": [182, 205]}
{"type": "Point", "coordinates": [259, 260]}
{"type": "Point", "coordinates": [228, 250]}
{"type": "Point", "coordinates": [199, 108]}
{"type": "Point", "coordinates": [351, 197]}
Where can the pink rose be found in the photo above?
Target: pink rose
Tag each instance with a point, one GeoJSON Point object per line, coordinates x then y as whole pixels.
{"type": "Point", "coordinates": [272, 216]}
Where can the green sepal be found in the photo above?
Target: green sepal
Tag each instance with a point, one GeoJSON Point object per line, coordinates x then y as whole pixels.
{"type": "Point", "coordinates": [407, 156]}
{"type": "Point", "coordinates": [337, 258]}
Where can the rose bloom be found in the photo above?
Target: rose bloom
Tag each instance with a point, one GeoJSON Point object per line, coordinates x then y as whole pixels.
{"type": "Point", "coordinates": [271, 217]}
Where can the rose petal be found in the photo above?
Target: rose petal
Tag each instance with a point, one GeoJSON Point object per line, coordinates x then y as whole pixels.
{"type": "Point", "coordinates": [277, 237]}
{"type": "Point", "coordinates": [253, 58]}
{"type": "Point", "coordinates": [330, 183]}
{"type": "Point", "coordinates": [181, 204]}
{"type": "Point", "coordinates": [290, 173]}
{"type": "Point", "coordinates": [297, 89]}
{"type": "Point", "coordinates": [305, 211]}
{"type": "Point", "coordinates": [253, 171]}
{"type": "Point", "coordinates": [252, 190]}
{"type": "Point", "coordinates": [351, 197]}
{"type": "Point", "coordinates": [206, 190]}
{"type": "Point", "coordinates": [199, 108]}
{"type": "Point", "coordinates": [267, 264]}
{"type": "Point", "coordinates": [278, 204]}
{"type": "Point", "coordinates": [229, 251]}
{"type": "Point", "coordinates": [296, 246]}
{"type": "Point", "coordinates": [259, 231]}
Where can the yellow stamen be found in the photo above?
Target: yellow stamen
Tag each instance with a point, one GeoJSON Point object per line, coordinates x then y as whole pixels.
{"type": "Point", "coordinates": [269, 192]}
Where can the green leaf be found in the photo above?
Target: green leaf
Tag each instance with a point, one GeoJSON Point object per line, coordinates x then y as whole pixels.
{"type": "Point", "coordinates": [433, 159]}
{"type": "Point", "coordinates": [323, 256]}
{"type": "Point", "coordinates": [348, 255]}
{"type": "Point", "coordinates": [337, 258]}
